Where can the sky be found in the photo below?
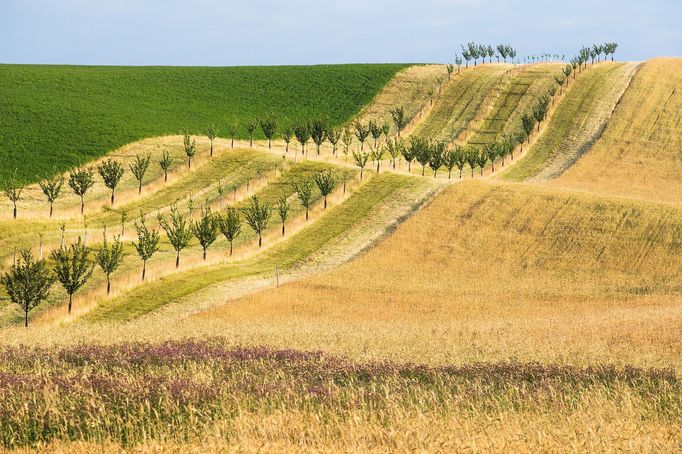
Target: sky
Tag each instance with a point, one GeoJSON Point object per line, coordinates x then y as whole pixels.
{"type": "Point", "coordinates": [262, 32]}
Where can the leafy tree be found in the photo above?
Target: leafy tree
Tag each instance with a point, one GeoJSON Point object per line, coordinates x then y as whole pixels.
{"type": "Point", "coordinates": [109, 257]}
{"type": "Point", "coordinates": [361, 161]}
{"type": "Point", "coordinates": [375, 130]}
{"type": "Point", "coordinates": [269, 127]}
{"type": "Point", "coordinates": [302, 132]}
{"type": "Point", "coordinates": [491, 151]}
{"type": "Point", "coordinates": [520, 137]}
{"type": "Point", "coordinates": [80, 181]}
{"type": "Point", "coordinates": [178, 231]}
{"type": "Point", "coordinates": [347, 139]}
{"type": "Point", "coordinates": [72, 267]}
{"type": "Point", "coordinates": [51, 187]}
{"type": "Point", "coordinates": [560, 82]}
{"type": "Point", "coordinates": [333, 136]}
{"type": "Point", "coordinates": [466, 55]}
{"type": "Point", "coordinates": [205, 229]}
{"type": "Point", "coordinates": [502, 52]}
{"type": "Point", "coordinates": [230, 225]}
{"type": "Point", "coordinates": [568, 69]}
{"type": "Point", "coordinates": [165, 163]}
{"type": "Point", "coordinates": [394, 148]}
{"type": "Point", "coordinates": [318, 132]}
{"type": "Point", "coordinates": [377, 155]}
{"type": "Point", "coordinates": [611, 49]}
{"type": "Point", "coordinates": [304, 191]}
{"type": "Point", "coordinates": [361, 132]}
{"type": "Point", "coordinates": [490, 52]}
{"type": "Point", "coordinates": [460, 158]}
{"type": "Point", "coordinates": [482, 160]}
{"type": "Point", "coordinates": [147, 243]}
{"type": "Point", "coordinates": [232, 129]}
{"type": "Point", "coordinates": [436, 151]}
{"type": "Point", "coordinates": [450, 160]}
{"type": "Point", "coordinates": [287, 134]}
{"type": "Point", "coordinates": [325, 183]}
{"type": "Point", "coordinates": [422, 151]}
{"type": "Point", "coordinates": [190, 147]}
{"type": "Point", "coordinates": [399, 119]}
{"type": "Point", "coordinates": [408, 153]}
{"type": "Point", "coordinates": [211, 134]}
{"type": "Point", "coordinates": [139, 168]}
{"type": "Point", "coordinates": [27, 283]}
{"type": "Point", "coordinates": [111, 172]}
{"type": "Point", "coordinates": [540, 110]}
{"type": "Point", "coordinates": [474, 51]}
{"type": "Point", "coordinates": [257, 217]}
{"type": "Point", "coordinates": [251, 126]}
{"type": "Point", "coordinates": [430, 92]}
{"type": "Point", "coordinates": [386, 129]}
{"type": "Point", "coordinates": [528, 124]}
{"type": "Point", "coordinates": [12, 190]}
{"type": "Point", "coordinates": [472, 159]}
{"type": "Point", "coordinates": [283, 209]}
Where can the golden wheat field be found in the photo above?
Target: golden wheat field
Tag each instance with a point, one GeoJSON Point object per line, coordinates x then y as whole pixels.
{"type": "Point", "coordinates": [394, 313]}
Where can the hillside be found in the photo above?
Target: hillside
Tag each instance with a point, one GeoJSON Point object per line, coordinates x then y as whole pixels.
{"type": "Point", "coordinates": [55, 117]}
{"type": "Point", "coordinates": [577, 123]}
{"type": "Point", "coordinates": [640, 152]}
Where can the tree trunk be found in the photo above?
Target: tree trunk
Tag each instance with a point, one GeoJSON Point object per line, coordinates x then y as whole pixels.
{"type": "Point", "coordinates": [189, 162]}
{"type": "Point", "coordinates": [165, 176]}
{"type": "Point", "coordinates": [393, 163]}
{"type": "Point", "coordinates": [144, 268]}
{"type": "Point", "coordinates": [82, 204]}
{"type": "Point", "coordinates": [251, 142]}
{"type": "Point", "coordinates": [25, 319]}
{"type": "Point", "coordinates": [423, 169]}
{"type": "Point", "coordinates": [360, 173]}
{"type": "Point", "coordinates": [70, 301]}
{"type": "Point", "coordinates": [232, 142]}
{"type": "Point", "coordinates": [306, 214]}
{"type": "Point", "coordinates": [378, 166]}
{"type": "Point", "coordinates": [230, 248]}
{"type": "Point", "coordinates": [15, 211]}
{"type": "Point", "coordinates": [344, 185]}
{"type": "Point", "coordinates": [260, 240]}
{"type": "Point", "coordinates": [50, 209]}
{"type": "Point", "coordinates": [449, 174]}
{"type": "Point", "coordinates": [108, 284]}
{"type": "Point", "coordinates": [204, 253]}
{"type": "Point", "coordinates": [460, 173]}
{"type": "Point", "coordinates": [177, 259]}
{"type": "Point", "coordinates": [282, 228]}
{"type": "Point", "coordinates": [211, 148]}
{"type": "Point", "coordinates": [269, 143]}
{"type": "Point", "coordinates": [112, 197]}
{"type": "Point", "coordinates": [325, 202]}
{"type": "Point", "coordinates": [139, 187]}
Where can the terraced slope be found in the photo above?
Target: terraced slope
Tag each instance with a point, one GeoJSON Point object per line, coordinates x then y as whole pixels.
{"type": "Point", "coordinates": [461, 101]}
{"type": "Point", "coordinates": [577, 122]}
{"type": "Point", "coordinates": [489, 272]}
{"type": "Point", "coordinates": [640, 152]}
{"type": "Point", "coordinates": [409, 89]}
{"type": "Point", "coordinates": [517, 97]}
{"type": "Point", "coordinates": [60, 116]}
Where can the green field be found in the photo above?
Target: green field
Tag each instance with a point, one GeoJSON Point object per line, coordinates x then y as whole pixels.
{"type": "Point", "coordinates": [55, 117]}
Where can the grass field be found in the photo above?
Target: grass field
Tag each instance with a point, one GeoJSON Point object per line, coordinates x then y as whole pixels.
{"type": "Point", "coordinates": [577, 123]}
{"type": "Point", "coordinates": [640, 153]}
{"type": "Point", "coordinates": [55, 117]}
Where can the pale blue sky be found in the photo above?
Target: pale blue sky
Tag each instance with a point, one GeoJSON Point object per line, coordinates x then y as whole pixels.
{"type": "Point", "coordinates": [261, 32]}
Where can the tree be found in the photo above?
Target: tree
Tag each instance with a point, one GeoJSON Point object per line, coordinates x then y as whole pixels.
{"type": "Point", "coordinates": [458, 62]}
{"type": "Point", "coordinates": [205, 229]}
{"type": "Point", "coordinates": [325, 183]}
{"type": "Point", "coordinates": [165, 163]}
{"type": "Point", "coordinates": [466, 55]}
{"type": "Point", "coordinates": [139, 168]}
{"type": "Point", "coordinates": [12, 191]}
{"type": "Point", "coordinates": [408, 154]}
{"type": "Point", "coordinates": [318, 132]}
{"type": "Point", "coordinates": [111, 172]}
{"type": "Point", "coordinates": [190, 147]}
{"type": "Point", "coordinates": [178, 231]}
{"type": "Point", "coordinates": [257, 217]}
{"type": "Point", "coordinates": [304, 191]}
{"type": "Point", "coordinates": [333, 136]}
{"type": "Point", "coordinates": [502, 52]}
{"type": "Point", "coordinates": [51, 187]}
{"type": "Point", "coordinates": [437, 152]}
{"type": "Point", "coordinates": [430, 92]}
{"type": "Point", "coordinates": [80, 180]}
{"type": "Point", "coordinates": [568, 69]}
{"type": "Point", "coordinates": [560, 82]}
{"type": "Point", "coordinates": [472, 159]}
{"type": "Point", "coordinates": [399, 119]}
{"type": "Point", "coordinates": [375, 130]}
{"type": "Point", "coordinates": [347, 139]}
{"type": "Point", "coordinates": [377, 155]}
{"type": "Point", "coordinates": [394, 148]}
{"type": "Point", "coordinates": [232, 129]}
{"type": "Point", "coordinates": [540, 110]}
{"type": "Point", "coordinates": [481, 160]}
{"type": "Point", "coordinates": [27, 283]}
{"type": "Point", "coordinates": [283, 208]}
{"type": "Point", "coordinates": [269, 127]}
{"type": "Point", "coordinates": [361, 161]}
{"type": "Point", "coordinates": [491, 53]}
{"type": "Point", "coordinates": [386, 129]}
{"type": "Point", "coordinates": [302, 132]}
{"type": "Point", "coordinates": [211, 134]}
{"type": "Point", "coordinates": [109, 257]}
{"type": "Point", "coordinates": [491, 152]}
{"type": "Point", "coordinates": [72, 267]}
{"type": "Point", "coordinates": [450, 160]}
{"type": "Point", "coordinates": [422, 151]}
{"type": "Point", "coordinates": [230, 225]}
{"type": "Point", "coordinates": [449, 68]}
{"type": "Point", "coordinates": [611, 49]}
{"type": "Point", "coordinates": [147, 243]}
{"type": "Point", "coordinates": [251, 126]}
{"type": "Point", "coordinates": [287, 134]}
{"type": "Point", "coordinates": [361, 132]}
{"type": "Point", "coordinates": [528, 124]}
{"type": "Point", "coordinates": [460, 158]}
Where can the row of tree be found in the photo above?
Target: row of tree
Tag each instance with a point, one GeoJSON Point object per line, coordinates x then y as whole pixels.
{"type": "Point", "coordinates": [474, 51]}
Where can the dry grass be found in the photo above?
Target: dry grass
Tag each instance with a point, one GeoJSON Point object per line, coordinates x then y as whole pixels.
{"type": "Point", "coordinates": [490, 272]}
{"type": "Point", "coordinates": [640, 152]}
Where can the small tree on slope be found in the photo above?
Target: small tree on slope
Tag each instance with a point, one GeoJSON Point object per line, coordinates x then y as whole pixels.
{"type": "Point", "coordinates": [27, 283]}
{"type": "Point", "coordinates": [72, 267]}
